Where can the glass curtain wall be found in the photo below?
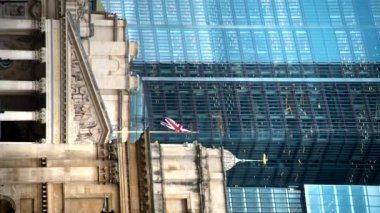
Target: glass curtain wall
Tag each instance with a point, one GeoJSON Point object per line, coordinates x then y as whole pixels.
{"type": "Point", "coordinates": [307, 129]}
{"type": "Point", "coordinates": [308, 96]}
{"type": "Point", "coordinates": [342, 198]}
{"type": "Point", "coordinates": [265, 200]}
{"type": "Point", "coordinates": [252, 31]}
{"type": "Point", "coordinates": [213, 70]}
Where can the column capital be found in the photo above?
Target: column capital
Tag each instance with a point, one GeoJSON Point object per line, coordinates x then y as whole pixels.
{"type": "Point", "coordinates": [41, 55]}
{"type": "Point", "coordinates": [41, 24]}
{"type": "Point", "coordinates": [41, 85]}
{"type": "Point", "coordinates": [41, 115]}
{"type": "Point", "coordinates": [41, 141]}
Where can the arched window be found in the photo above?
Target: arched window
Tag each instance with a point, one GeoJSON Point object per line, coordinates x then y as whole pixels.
{"type": "Point", "coordinates": [7, 205]}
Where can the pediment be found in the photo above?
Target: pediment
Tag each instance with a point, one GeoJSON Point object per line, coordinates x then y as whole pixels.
{"type": "Point", "coordinates": [86, 118]}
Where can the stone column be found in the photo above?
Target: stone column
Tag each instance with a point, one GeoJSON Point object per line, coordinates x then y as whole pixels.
{"type": "Point", "coordinates": [48, 175]}
{"type": "Point", "coordinates": [23, 54]}
{"type": "Point", "coordinates": [18, 151]}
{"type": "Point", "coordinates": [23, 115]}
{"type": "Point", "coordinates": [21, 87]}
{"type": "Point", "coordinates": [9, 25]}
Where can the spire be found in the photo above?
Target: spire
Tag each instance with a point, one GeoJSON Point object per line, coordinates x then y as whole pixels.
{"type": "Point", "coordinates": [230, 160]}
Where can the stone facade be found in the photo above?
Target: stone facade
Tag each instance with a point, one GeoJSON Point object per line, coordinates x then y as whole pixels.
{"type": "Point", "coordinates": [188, 178]}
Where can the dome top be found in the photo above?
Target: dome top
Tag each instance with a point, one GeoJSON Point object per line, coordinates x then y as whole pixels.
{"type": "Point", "coordinates": [229, 160]}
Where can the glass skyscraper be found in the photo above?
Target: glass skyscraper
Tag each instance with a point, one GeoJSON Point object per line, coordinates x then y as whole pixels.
{"type": "Point", "coordinates": [323, 128]}
{"type": "Point", "coordinates": [343, 198]}
{"type": "Point", "coordinates": [265, 200]}
{"type": "Point", "coordinates": [309, 198]}
{"type": "Point", "coordinates": [253, 31]}
{"type": "Point", "coordinates": [298, 80]}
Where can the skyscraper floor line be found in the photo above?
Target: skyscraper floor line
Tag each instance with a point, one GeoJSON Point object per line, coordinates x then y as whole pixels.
{"type": "Point", "coordinates": [292, 80]}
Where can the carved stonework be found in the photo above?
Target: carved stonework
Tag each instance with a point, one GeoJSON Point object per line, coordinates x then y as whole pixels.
{"type": "Point", "coordinates": [84, 117]}
{"type": "Point", "coordinates": [8, 189]}
{"type": "Point", "coordinates": [17, 10]}
{"type": "Point", "coordinates": [109, 173]}
{"type": "Point", "coordinates": [107, 151]}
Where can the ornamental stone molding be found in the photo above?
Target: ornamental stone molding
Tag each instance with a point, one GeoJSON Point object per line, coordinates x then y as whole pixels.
{"type": "Point", "coordinates": [86, 116]}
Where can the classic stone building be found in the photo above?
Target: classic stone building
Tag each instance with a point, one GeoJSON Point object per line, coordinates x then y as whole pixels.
{"type": "Point", "coordinates": [64, 147]}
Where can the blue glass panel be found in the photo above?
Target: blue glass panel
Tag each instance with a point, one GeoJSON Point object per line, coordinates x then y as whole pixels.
{"type": "Point", "coordinates": [281, 209]}
{"type": "Point", "coordinates": [335, 13]}
{"type": "Point", "coordinates": [373, 209]}
{"type": "Point", "coordinates": [303, 46]}
{"type": "Point", "coordinates": [313, 190]}
{"type": "Point", "coordinates": [251, 190]}
{"type": "Point", "coordinates": [252, 203]}
{"type": "Point", "coordinates": [328, 197]}
{"type": "Point", "coordinates": [360, 209]}
{"type": "Point", "coordinates": [361, 11]}
{"type": "Point", "coordinates": [357, 46]}
{"type": "Point", "coordinates": [343, 45]}
{"type": "Point", "coordinates": [261, 46]}
{"type": "Point", "coordinates": [315, 209]}
{"type": "Point", "coordinates": [321, 8]}
{"type": "Point", "coordinates": [345, 209]}
{"type": "Point", "coordinates": [373, 190]}
{"type": "Point", "coordinates": [309, 13]}
{"type": "Point", "coordinates": [235, 190]}
{"type": "Point", "coordinates": [330, 208]}
{"type": "Point", "coordinates": [275, 46]}
{"type": "Point", "coordinates": [358, 199]}
{"type": "Point", "coordinates": [348, 13]}
{"type": "Point", "coordinates": [289, 46]}
{"type": "Point", "coordinates": [268, 13]}
{"type": "Point", "coordinates": [185, 11]}
{"type": "Point", "coordinates": [372, 43]}
{"type": "Point", "coordinates": [237, 200]}
{"type": "Point", "coordinates": [233, 46]}
{"type": "Point", "coordinates": [254, 12]}
{"type": "Point", "coordinates": [282, 13]}
{"type": "Point", "coordinates": [318, 46]}
{"type": "Point", "coordinates": [246, 42]}
{"type": "Point", "coordinates": [253, 210]}
{"type": "Point", "coordinates": [331, 45]}
{"type": "Point", "coordinates": [374, 200]}
{"type": "Point", "coordinates": [315, 199]}
{"type": "Point", "coordinates": [177, 41]}
{"type": "Point", "coordinates": [357, 190]}
{"type": "Point", "coordinates": [328, 190]}
{"type": "Point", "coordinates": [317, 18]}
{"type": "Point", "coordinates": [238, 209]}
{"type": "Point", "coordinates": [343, 200]}
{"type": "Point", "coordinates": [343, 190]}
{"type": "Point", "coordinates": [295, 12]}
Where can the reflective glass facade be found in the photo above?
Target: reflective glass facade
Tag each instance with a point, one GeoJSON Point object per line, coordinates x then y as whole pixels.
{"type": "Point", "coordinates": [310, 199]}
{"type": "Point", "coordinates": [306, 126]}
{"type": "Point", "coordinates": [253, 31]}
{"type": "Point", "coordinates": [343, 198]}
{"type": "Point", "coordinates": [136, 113]}
{"type": "Point", "coordinates": [265, 200]}
{"type": "Point", "coordinates": [258, 70]}
{"type": "Point", "coordinates": [295, 79]}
